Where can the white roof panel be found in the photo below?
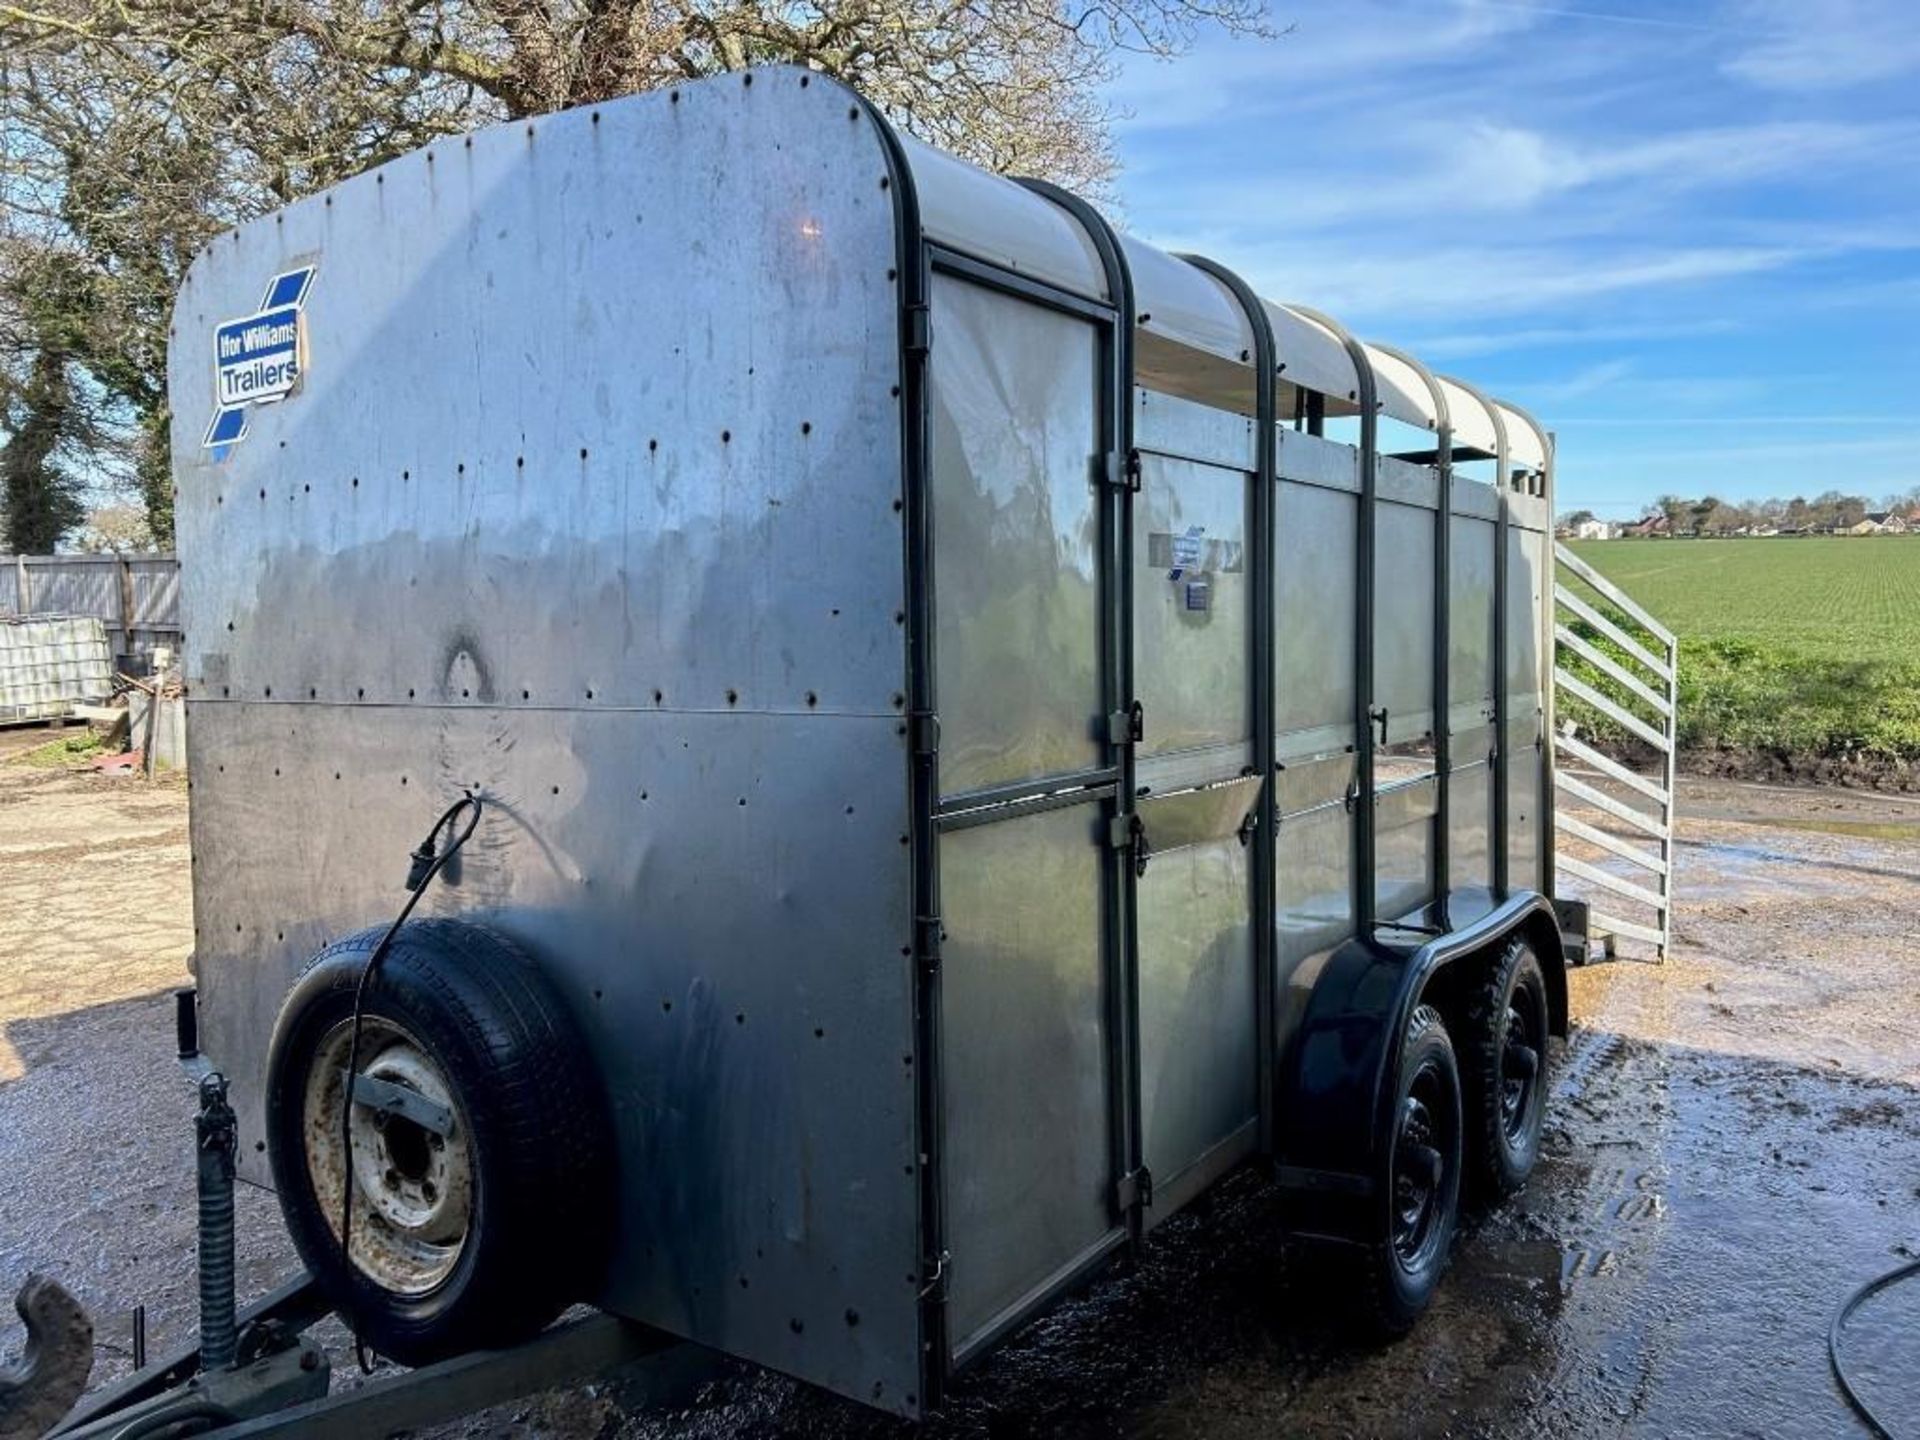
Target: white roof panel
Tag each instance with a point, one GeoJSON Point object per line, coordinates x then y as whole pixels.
{"type": "Point", "coordinates": [1526, 441]}
{"type": "Point", "coordinates": [1473, 425]}
{"type": "Point", "coordinates": [1310, 355]}
{"type": "Point", "coordinates": [995, 219]}
{"type": "Point", "coordinates": [1182, 303]}
{"type": "Point", "coordinates": [1400, 390]}
{"type": "Point", "coordinates": [1191, 336]}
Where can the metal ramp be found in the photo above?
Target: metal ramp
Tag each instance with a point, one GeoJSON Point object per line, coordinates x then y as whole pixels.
{"type": "Point", "coordinates": [1615, 693]}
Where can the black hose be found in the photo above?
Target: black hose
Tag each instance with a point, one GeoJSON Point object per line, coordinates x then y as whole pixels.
{"type": "Point", "coordinates": [428, 862]}
{"type": "Point", "coordinates": [1845, 1313]}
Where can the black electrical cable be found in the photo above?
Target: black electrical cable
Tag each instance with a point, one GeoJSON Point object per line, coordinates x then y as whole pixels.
{"type": "Point", "coordinates": [428, 862]}
{"type": "Point", "coordinates": [1845, 1313]}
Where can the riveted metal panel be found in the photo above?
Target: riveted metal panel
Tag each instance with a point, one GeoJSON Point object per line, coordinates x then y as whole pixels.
{"type": "Point", "coordinates": [1314, 858]}
{"type": "Point", "coordinates": [721, 900]}
{"type": "Point", "coordinates": [1191, 606]}
{"type": "Point", "coordinates": [1403, 621]}
{"type": "Point", "coordinates": [1027, 1122]}
{"type": "Point", "coordinates": [1526, 829]}
{"type": "Point", "coordinates": [1171, 425]}
{"type": "Point", "coordinates": [1401, 482]}
{"type": "Point", "coordinates": [592, 415]}
{"type": "Point", "coordinates": [1314, 610]}
{"type": "Point", "coordinates": [1469, 824]}
{"type": "Point", "coordinates": [1528, 582]}
{"type": "Point", "coordinates": [590, 495]}
{"type": "Point", "coordinates": [1312, 460]}
{"type": "Point", "coordinates": [1198, 1019]}
{"type": "Point", "coordinates": [1529, 511]}
{"type": "Point", "coordinates": [1470, 667]}
{"type": "Point", "coordinates": [1017, 642]}
{"type": "Point", "coordinates": [1403, 855]}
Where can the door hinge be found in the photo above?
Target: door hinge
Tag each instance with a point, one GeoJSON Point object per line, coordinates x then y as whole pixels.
{"type": "Point", "coordinates": [1129, 833]}
{"type": "Point", "coordinates": [1249, 823]}
{"type": "Point", "coordinates": [1121, 472]}
{"type": "Point", "coordinates": [1128, 726]}
{"type": "Point", "coordinates": [928, 934]}
{"type": "Point", "coordinates": [934, 1268]}
{"type": "Point", "coordinates": [923, 732]}
{"type": "Point", "coordinates": [919, 329]}
{"type": "Point", "coordinates": [1133, 1189]}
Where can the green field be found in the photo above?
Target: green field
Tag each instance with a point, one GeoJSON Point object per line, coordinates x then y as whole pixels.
{"type": "Point", "coordinates": [1805, 646]}
{"type": "Point", "coordinates": [1821, 595]}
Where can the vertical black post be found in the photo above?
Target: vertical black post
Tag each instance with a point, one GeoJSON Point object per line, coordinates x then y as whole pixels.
{"type": "Point", "coordinates": [915, 287]}
{"type": "Point", "coordinates": [1365, 886]}
{"type": "Point", "coordinates": [1443, 663]}
{"type": "Point", "coordinates": [1548, 800]}
{"type": "Point", "coordinates": [1497, 752]}
{"type": "Point", "coordinates": [1502, 634]}
{"type": "Point", "coordinates": [1266, 364]}
{"type": "Point", "coordinates": [1442, 866]}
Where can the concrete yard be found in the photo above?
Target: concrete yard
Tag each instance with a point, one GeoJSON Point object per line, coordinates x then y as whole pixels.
{"type": "Point", "coordinates": [1733, 1145]}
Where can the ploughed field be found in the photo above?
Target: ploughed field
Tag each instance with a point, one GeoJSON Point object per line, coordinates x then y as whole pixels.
{"type": "Point", "coordinates": [1799, 656]}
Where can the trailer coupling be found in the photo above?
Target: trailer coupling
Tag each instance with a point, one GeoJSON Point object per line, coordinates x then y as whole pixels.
{"type": "Point", "coordinates": [54, 1366]}
{"type": "Point", "coordinates": [255, 1373]}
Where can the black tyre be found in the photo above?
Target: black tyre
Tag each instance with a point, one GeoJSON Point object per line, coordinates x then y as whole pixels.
{"type": "Point", "coordinates": [1419, 1193]}
{"type": "Point", "coordinates": [1506, 1079]}
{"type": "Point", "coordinates": [478, 1218]}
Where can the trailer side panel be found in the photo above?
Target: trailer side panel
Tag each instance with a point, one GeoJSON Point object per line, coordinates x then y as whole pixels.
{"type": "Point", "coordinates": [587, 493]}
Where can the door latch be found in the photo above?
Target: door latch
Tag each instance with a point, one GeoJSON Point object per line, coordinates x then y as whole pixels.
{"type": "Point", "coordinates": [1129, 833]}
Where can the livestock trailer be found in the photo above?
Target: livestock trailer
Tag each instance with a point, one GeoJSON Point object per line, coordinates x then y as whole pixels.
{"type": "Point", "coordinates": [980, 728]}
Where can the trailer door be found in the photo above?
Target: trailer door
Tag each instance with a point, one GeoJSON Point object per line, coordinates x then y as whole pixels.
{"type": "Point", "coordinates": [1027, 1065]}
{"type": "Point", "coordinates": [1192, 619]}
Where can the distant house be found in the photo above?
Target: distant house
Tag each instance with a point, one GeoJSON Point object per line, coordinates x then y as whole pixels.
{"type": "Point", "coordinates": [1593, 530]}
{"type": "Point", "coordinates": [1764, 531]}
{"type": "Point", "coordinates": [1647, 529]}
{"type": "Point", "coordinates": [1879, 522]}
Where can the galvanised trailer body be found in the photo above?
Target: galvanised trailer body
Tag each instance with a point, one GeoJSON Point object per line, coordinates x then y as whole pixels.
{"type": "Point", "coordinates": [977, 729]}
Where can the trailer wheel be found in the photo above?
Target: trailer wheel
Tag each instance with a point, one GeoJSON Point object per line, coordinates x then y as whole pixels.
{"type": "Point", "coordinates": [1507, 1070]}
{"type": "Point", "coordinates": [480, 1200]}
{"type": "Point", "coordinates": [1421, 1190]}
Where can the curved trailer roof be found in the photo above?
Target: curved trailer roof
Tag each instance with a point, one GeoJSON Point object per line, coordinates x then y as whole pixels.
{"type": "Point", "coordinates": [1188, 324]}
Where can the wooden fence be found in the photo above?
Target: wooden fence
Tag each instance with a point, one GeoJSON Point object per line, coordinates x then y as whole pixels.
{"type": "Point", "coordinates": [136, 597]}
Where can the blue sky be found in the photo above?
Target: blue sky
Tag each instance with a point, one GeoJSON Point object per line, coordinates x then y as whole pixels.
{"type": "Point", "coordinates": [1684, 233]}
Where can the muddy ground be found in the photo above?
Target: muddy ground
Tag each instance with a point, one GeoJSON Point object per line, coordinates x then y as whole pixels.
{"type": "Point", "coordinates": [1734, 1144]}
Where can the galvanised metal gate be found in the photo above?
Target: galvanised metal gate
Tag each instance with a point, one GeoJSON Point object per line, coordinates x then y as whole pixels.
{"type": "Point", "coordinates": [1615, 672]}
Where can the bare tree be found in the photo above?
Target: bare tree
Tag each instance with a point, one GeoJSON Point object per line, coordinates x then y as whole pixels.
{"type": "Point", "coordinates": [133, 131]}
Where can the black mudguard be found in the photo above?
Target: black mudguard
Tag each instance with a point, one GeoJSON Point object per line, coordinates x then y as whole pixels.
{"type": "Point", "coordinates": [1336, 1075]}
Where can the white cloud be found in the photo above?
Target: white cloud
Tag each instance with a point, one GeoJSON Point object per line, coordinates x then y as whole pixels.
{"type": "Point", "coordinates": [1324, 51]}
{"type": "Point", "coordinates": [1594, 379]}
{"type": "Point", "coordinates": [1494, 342]}
{"type": "Point", "coordinates": [1816, 45]}
{"type": "Point", "coordinates": [1402, 285]}
{"type": "Point", "coordinates": [1487, 167]}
